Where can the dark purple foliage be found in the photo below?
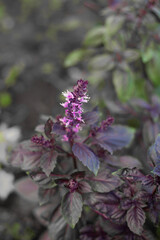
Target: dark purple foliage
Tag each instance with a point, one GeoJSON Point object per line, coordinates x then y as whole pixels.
{"type": "Point", "coordinates": [86, 156]}
{"type": "Point", "coordinates": [80, 185]}
{"type": "Point", "coordinates": [114, 138]}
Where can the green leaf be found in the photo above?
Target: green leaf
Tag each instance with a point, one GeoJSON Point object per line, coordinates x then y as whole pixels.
{"type": "Point", "coordinates": [124, 85]}
{"type": "Point", "coordinates": [72, 207]}
{"type": "Point", "coordinates": [5, 99]}
{"type": "Point", "coordinates": [13, 74]}
{"type": "Point", "coordinates": [95, 77]}
{"type": "Point", "coordinates": [131, 55]}
{"type": "Point", "coordinates": [94, 37]}
{"type": "Point", "coordinates": [113, 24]}
{"type": "Point", "coordinates": [147, 55]}
{"type": "Point", "coordinates": [153, 69]}
{"type": "Point", "coordinates": [102, 61]}
{"type": "Point", "coordinates": [74, 57]}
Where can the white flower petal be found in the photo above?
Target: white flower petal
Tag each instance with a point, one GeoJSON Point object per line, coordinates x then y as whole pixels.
{"type": "Point", "coordinates": [6, 180]}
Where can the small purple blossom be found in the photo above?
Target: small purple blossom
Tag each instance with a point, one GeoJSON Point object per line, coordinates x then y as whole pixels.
{"type": "Point", "coordinates": [106, 123]}
{"type": "Point", "coordinates": [72, 185]}
{"type": "Point", "coordinates": [40, 140]}
{"type": "Point", "coordinates": [73, 105]}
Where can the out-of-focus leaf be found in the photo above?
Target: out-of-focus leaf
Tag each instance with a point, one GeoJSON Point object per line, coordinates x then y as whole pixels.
{"type": "Point", "coordinates": [129, 162]}
{"type": "Point", "coordinates": [150, 132]}
{"type": "Point", "coordinates": [115, 138]}
{"type": "Point", "coordinates": [5, 99]}
{"type": "Point", "coordinates": [135, 219]}
{"type": "Point", "coordinates": [147, 55]}
{"type": "Point", "coordinates": [113, 24]}
{"type": "Point", "coordinates": [102, 61]}
{"type": "Point", "coordinates": [58, 229]}
{"type": "Point", "coordinates": [123, 161]}
{"type": "Point", "coordinates": [13, 75]}
{"type": "Point", "coordinates": [95, 36]}
{"type": "Point", "coordinates": [86, 156]}
{"type": "Point", "coordinates": [72, 207]}
{"type": "Point", "coordinates": [30, 154]}
{"type": "Point", "coordinates": [104, 182]}
{"type": "Point", "coordinates": [42, 180]}
{"type": "Point", "coordinates": [96, 76]}
{"type": "Point", "coordinates": [47, 195]}
{"type": "Point", "coordinates": [27, 189]}
{"type": "Point", "coordinates": [131, 55]}
{"type": "Point", "coordinates": [154, 155]}
{"type": "Point", "coordinates": [124, 84]}
{"type": "Point", "coordinates": [45, 236]}
{"type": "Point", "coordinates": [153, 69]}
{"type": "Point", "coordinates": [70, 24]}
{"type": "Point", "coordinates": [91, 118]}
{"type": "Point", "coordinates": [74, 57]}
{"type": "Point", "coordinates": [44, 213]}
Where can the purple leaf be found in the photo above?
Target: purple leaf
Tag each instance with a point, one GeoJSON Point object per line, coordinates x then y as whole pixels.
{"type": "Point", "coordinates": [114, 138]}
{"type": "Point", "coordinates": [157, 145]}
{"type": "Point", "coordinates": [44, 213]}
{"type": "Point", "coordinates": [105, 182]}
{"type": "Point", "coordinates": [47, 195]}
{"type": "Point", "coordinates": [48, 162]}
{"type": "Point", "coordinates": [150, 132]}
{"type": "Point", "coordinates": [78, 175]}
{"type": "Point", "coordinates": [27, 189]}
{"type": "Point", "coordinates": [149, 183]}
{"type": "Point", "coordinates": [135, 219]}
{"type": "Point", "coordinates": [72, 207]}
{"type": "Point", "coordinates": [129, 162]}
{"type": "Point", "coordinates": [58, 129]}
{"type": "Point", "coordinates": [41, 179]}
{"type": "Point", "coordinates": [91, 118]}
{"type": "Point", "coordinates": [30, 155]}
{"type": "Point", "coordinates": [58, 229]}
{"type": "Point", "coordinates": [16, 158]}
{"type": "Point", "coordinates": [84, 187]}
{"type": "Point", "coordinates": [123, 161]}
{"type": "Point", "coordinates": [38, 213]}
{"type": "Point", "coordinates": [154, 154]}
{"type": "Point", "coordinates": [103, 203]}
{"type": "Point", "coordinates": [93, 233]}
{"type": "Point", "coordinates": [140, 103]}
{"type": "Point", "coordinates": [156, 170]}
{"type": "Point", "coordinates": [26, 155]}
{"type": "Point", "coordinates": [86, 156]}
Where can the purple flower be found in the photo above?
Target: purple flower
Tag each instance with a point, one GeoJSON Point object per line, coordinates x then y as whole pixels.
{"type": "Point", "coordinates": [73, 105]}
{"type": "Point", "coordinates": [41, 141]}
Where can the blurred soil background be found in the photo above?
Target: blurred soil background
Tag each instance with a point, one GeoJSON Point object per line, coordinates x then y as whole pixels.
{"type": "Point", "coordinates": [35, 37]}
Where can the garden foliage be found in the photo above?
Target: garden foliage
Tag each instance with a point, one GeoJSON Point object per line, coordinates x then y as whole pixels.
{"type": "Point", "coordinates": [123, 48]}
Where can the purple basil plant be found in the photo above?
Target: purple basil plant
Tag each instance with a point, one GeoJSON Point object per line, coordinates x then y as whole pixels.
{"type": "Point", "coordinates": [84, 191]}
